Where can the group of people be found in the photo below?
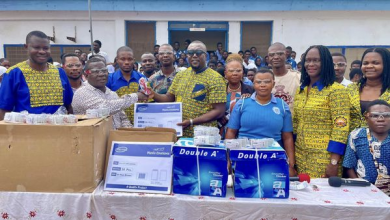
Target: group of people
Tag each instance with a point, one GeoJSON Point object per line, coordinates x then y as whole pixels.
{"type": "Point", "coordinates": [323, 121]}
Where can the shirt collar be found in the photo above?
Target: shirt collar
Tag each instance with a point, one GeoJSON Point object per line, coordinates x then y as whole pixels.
{"type": "Point", "coordinates": [134, 75]}
{"type": "Point", "coordinates": [273, 98]}
{"type": "Point", "coordinates": [90, 87]}
{"type": "Point", "coordinates": [200, 71]}
{"type": "Point", "coordinates": [317, 84]}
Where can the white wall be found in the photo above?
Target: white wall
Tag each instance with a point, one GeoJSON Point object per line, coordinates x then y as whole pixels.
{"type": "Point", "coordinates": [299, 29]}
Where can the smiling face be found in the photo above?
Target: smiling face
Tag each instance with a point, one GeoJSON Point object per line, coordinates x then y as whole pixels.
{"type": "Point", "coordinates": [313, 64]}
{"type": "Point", "coordinates": [166, 56]}
{"type": "Point", "coordinates": [148, 63]}
{"type": "Point", "coordinates": [277, 56]}
{"type": "Point", "coordinates": [340, 65]}
{"type": "Point", "coordinates": [197, 62]}
{"type": "Point", "coordinates": [97, 75]}
{"type": "Point", "coordinates": [38, 50]}
{"type": "Point", "coordinates": [372, 66]}
{"type": "Point", "coordinates": [376, 121]}
{"type": "Point", "coordinates": [234, 72]}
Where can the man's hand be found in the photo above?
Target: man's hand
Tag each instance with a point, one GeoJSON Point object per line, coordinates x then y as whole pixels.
{"type": "Point", "coordinates": [185, 123]}
{"type": "Point", "coordinates": [142, 96]}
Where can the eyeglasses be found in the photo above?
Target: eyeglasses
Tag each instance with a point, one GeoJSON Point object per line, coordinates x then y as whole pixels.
{"type": "Point", "coordinates": [266, 82]}
{"type": "Point", "coordinates": [71, 65]}
{"type": "Point", "coordinates": [162, 53]}
{"type": "Point", "coordinates": [193, 52]}
{"type": "Point", "coordinates": [96, 72]}
{"type": "Point", "coordinates": [377, 115]}
{"type": "Point", "coordinates": [314, 61]}
{"type": "Point", "coordinates": [236, 70]}
{"type": "Point", "coordinates": [279, 53]}
{"type": "Point", "coordinates": [341, 64]}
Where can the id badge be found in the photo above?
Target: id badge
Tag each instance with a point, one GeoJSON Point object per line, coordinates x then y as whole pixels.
{"type": "Point", "coordinates": [383, 183]}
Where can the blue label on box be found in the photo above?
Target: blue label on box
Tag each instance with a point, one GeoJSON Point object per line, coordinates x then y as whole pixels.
{"type": "Point", "coordinates": [147, 150]}
{"type": "Point", "coordinates": [261, 174]}
{"type": "Point", "coordinates": [199, 171]}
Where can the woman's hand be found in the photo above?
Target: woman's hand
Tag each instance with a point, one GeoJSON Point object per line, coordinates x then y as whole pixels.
{"type": "Point", "coordinates": [292, 171]}
{"type": "Point", "coordinates": [331, 170]}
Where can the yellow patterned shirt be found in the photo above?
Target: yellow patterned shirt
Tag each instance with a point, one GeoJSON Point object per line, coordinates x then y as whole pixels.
{"type": "Point", "coordinates": [357, 118]}
{"type": "Point", "coordinates": [197, 91]}
{"type": "Point", "coordinates": [117, 83]}
{"type": "Point", "coordinates": [26, 89]}
{"type": "Point", "coordinates": [321, 125]}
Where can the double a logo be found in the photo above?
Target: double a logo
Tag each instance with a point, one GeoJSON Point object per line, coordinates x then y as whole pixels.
{"type": "Point", "coordinates": [254, 155]}
{"type": "Point", "coordinates": [195, 152]}
{"type": "Point", "coordinates": [121, 149]}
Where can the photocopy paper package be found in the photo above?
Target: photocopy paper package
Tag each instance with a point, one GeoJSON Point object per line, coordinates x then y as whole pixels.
{"type": "Point", "coordinates": [199, 170]}
{"type": "Point", "coordinates": [260, 173]}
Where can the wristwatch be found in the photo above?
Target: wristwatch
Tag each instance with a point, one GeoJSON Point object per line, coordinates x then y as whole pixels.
{"type": "Point", "coordinates": [334, 162]}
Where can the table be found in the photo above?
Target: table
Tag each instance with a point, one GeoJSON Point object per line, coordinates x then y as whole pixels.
{"type": "Point", "coordinates": [323, 203]}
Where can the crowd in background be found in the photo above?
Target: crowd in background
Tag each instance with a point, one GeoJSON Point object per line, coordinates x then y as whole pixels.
{"type": "Point", "coordinates": [324, 121]}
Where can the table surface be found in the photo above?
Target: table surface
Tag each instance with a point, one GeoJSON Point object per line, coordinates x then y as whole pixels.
{"type": "Point", "coordinates": [325, 202]}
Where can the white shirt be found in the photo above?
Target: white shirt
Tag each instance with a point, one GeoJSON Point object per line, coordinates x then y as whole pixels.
{"type": "Point", "coordinates": [89, 97]}
{"type": "Point", "coordinates": [345, 82]}
{"type": "Point", "coordinates": [101, 53]}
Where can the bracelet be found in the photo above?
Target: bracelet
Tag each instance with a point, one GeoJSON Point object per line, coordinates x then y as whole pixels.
{"type": "Point", "coordinates": [191, 122]}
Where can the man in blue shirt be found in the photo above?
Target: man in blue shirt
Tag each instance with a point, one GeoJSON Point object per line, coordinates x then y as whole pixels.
{"type": "Point", "coordinates": [125, 80]}
{"type": "Point", "coordinates": [289, 59]}
{"type": "Point", "coordinates": [35, 85]}
{"type": "Point", "coordinates": [254, 55]}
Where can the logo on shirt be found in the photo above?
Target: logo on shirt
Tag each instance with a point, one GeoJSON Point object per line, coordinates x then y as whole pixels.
{"type": "Point", "coordinates": [280, 93]}
{"type": "Point", "coordinates": [340, 122]}
{"type": "Point", "coordinates": [276, 110]}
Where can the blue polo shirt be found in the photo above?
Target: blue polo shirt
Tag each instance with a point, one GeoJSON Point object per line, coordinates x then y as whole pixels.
{"type": "Point", "coordinates": [25, 89]}
{"type": "Point", "coordinates": [256, 121]}
{"type": "Point", "coordinates": [116, 80]}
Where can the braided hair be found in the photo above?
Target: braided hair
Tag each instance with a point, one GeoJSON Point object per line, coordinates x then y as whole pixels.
{"type": "Point", "coordinates": [385, 54]}
{"type": "Point", "coordinates": [327, 73]}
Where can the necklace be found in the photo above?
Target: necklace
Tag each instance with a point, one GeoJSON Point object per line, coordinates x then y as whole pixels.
{"type": "Point", "coordinates": [234, 90]}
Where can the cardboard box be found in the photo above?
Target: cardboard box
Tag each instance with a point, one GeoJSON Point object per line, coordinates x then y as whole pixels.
{"type": "Point", "coordinates": [261, 173]}
{"type": "Point", "coordinates": [199, 170]}
{"type": "Point", "coordinates": [148, 134]}
{"type": "Point", "coordinates": [53, 158]}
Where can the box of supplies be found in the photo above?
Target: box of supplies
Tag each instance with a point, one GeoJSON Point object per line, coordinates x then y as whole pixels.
{"type": "Point", "coordinates": [140, 160]}
{"type": "Point", "coordinates": [53, 158]}
{"type": "Point", "coordinates": [261, 172]}
{"type": "Point", "coordinates": [199, 170]}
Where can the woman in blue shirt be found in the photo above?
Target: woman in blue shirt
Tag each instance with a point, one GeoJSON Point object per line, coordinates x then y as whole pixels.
{"type": "Point", "coordinates": [263, 116]}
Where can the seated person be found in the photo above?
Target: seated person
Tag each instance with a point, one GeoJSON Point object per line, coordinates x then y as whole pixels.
{"type": "Point", "coordinates": [263, 116]}
{"type": "Point", "coordinates": [368, 151]}
{"type": "Point", "coordinates": [95, 95]}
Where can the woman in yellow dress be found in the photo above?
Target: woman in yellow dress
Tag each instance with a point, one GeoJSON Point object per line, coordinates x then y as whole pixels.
{"type": "Point", "coordinates": [374, 84]}
{"type": "Point", "coordinates": [321, 116]}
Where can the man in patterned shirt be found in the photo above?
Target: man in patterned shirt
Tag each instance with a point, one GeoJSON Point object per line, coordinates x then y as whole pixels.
{"type": "Point", "coordinates": [94, 95]}
{"type": "Point", "coordinates": [162, 80]}
{"type": "Point", "coordinates": [125, 80]}
{"type": "Point", "coordinates": [35, 85]}
{"type": "Point", "coordinates": [201, 90]}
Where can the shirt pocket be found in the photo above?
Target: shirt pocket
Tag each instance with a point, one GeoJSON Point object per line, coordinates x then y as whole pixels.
{"type": "Point", "coordinates": [199, 93]}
